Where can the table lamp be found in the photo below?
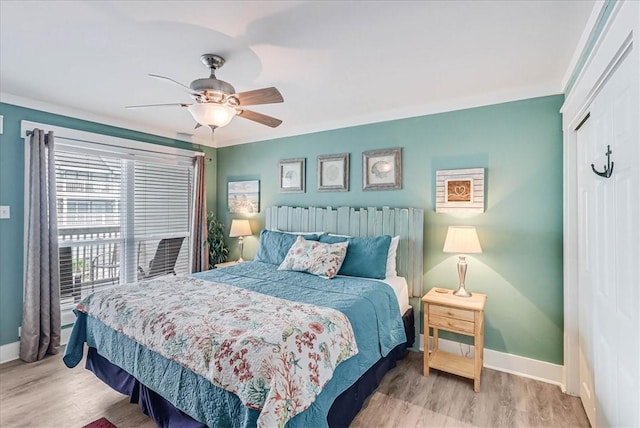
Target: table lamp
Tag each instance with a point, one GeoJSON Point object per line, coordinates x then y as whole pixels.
{"type": "Point", "coordinates": [240, 229]}
{"type": "Point", "coordinates": [462, 240]}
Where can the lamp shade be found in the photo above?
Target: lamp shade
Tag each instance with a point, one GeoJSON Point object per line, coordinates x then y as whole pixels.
{"type": "Point", "coordinates": [239, 228]}
{"type": "Point", "coordinates": [462, 240]}
{"type": "Point", "coordinates": [212, 114]}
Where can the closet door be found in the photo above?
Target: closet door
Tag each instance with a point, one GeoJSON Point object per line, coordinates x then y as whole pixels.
{"type": "Point", "coordinates": [612, 247]}
{"type": "Point", "coordinates": [590, 197]}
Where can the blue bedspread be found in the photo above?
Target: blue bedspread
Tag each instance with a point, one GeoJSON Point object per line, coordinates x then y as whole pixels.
{"type": "Point", "coordinates": [370, 306]}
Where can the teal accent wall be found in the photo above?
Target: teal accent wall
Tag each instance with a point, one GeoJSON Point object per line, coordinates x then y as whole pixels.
{"type": "Point", "coordinates": [520, 145]}
{"type": "Point", "coordinates": [12, 149]}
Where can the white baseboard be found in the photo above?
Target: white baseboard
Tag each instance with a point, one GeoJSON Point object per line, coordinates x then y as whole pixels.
{"type": "Point", "coordinates": [509, 363]}
{"type": "Point", "coordinates": [11, 351]}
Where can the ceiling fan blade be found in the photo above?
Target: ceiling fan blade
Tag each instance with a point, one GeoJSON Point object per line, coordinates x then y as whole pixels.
{"type": "Point", "coordinates": [175, 82]}
{"type": "Point", "coordinates": [160, 105]}
{"type": "Point", "coordinates": [260, 118]}
{"type": "Point", "coordinates": [259, 96]}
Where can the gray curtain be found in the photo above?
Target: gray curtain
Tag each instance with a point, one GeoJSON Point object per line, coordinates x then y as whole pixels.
{"type": "Point", "coordinates": [200, 254]}
{"type": "Point", "coordinates": [41, 307]}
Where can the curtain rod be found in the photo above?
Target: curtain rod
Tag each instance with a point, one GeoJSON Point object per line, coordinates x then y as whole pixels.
{"type": "Point", "coordinates": [29, 132]}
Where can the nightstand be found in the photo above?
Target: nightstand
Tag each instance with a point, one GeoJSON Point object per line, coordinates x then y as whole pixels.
{"type": "Point", "coordinates": [225, 264]}
{"type": "Point", "coordinates": [463, 315]}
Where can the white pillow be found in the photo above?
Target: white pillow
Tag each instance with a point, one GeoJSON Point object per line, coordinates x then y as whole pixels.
{"type": "Point", "coordinates": [315, 257]}
{"type": "Point", "coordinates": [391, 257]}
{"type": "Point", "coordinates": [299, 233]}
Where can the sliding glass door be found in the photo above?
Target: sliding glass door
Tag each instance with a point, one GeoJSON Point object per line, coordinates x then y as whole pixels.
{"type": "Point", "coordinates": [123, 216]}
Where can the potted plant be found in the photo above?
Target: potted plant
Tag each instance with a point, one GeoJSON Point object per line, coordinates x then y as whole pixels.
{"type": "Point", "coordinates": [218, 250]}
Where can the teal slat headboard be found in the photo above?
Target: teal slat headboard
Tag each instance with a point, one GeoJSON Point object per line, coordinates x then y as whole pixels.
{"type": "Point", "coordinates": [408, 223]}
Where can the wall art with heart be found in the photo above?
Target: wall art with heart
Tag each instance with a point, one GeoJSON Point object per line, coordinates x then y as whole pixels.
{"type": "Point", "coordinates": [460, 190]}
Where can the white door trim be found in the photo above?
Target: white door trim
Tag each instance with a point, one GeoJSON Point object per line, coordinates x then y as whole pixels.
{"type": "Point", "coordinates": [620, 34]}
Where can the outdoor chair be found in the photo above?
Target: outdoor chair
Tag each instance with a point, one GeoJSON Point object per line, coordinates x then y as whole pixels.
{"type": "Point", "coordinates": [164, 260]}
{"type": "Point", "coordinates": [105, 266]}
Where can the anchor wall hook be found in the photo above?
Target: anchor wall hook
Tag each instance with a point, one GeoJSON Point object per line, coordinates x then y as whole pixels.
{"type": "Point", "coordinates": [608, 168]}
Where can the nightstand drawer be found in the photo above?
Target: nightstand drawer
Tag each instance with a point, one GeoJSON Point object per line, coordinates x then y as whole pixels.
{"type": "Point", "coordinates": [445, 311]}
{"type": "Point", "coordinates": [450, 323]}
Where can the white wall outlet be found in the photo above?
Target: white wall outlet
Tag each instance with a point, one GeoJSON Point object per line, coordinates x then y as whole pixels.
{"type": "Point", "coordinates": [19, 331]}
{"type": "Point", "coordinates": [5, 211]}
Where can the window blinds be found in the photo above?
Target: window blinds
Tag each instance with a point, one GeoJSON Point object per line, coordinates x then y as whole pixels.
{"type": "Point", "coordinates": [122, 217]}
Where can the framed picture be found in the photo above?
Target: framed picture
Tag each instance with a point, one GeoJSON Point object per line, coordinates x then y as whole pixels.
{"type": "Point", "coordinates": [382, 169]}
{"type": "Point", "coordinates": [333, 173]}
{"type": "Point", "coordinates": [460, 191]}
{"type": "Point", "coordinates": [291, 174]}
{"type": "Point", "coordinates": [243, 196]}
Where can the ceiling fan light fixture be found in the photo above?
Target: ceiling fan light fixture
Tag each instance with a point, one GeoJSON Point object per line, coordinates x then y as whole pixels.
{"type": "Point", "coordinates": [215, 102]}
{"type": "Point", "coordinates": [212, 114]}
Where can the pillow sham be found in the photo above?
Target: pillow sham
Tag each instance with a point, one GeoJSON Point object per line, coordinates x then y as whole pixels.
{"type": "Point", "coordinates": [315, 257]}
{"type": "Point", "coordinates": [366, 257]}
{"type": "Point", "coordinates": [273, 246]}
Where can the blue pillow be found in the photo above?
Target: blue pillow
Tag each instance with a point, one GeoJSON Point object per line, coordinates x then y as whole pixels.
{"type": "Point", "coordinates": [366, 257]}
{"type": "Point", "coordinates": [274, 246]}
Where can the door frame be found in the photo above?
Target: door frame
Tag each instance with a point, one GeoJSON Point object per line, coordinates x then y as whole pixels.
{"type": "Point", "coordinates": [619, 37]}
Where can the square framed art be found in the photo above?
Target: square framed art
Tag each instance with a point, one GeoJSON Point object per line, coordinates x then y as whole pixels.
{"type": "Point", "coordinates": [243, 196]}
{"type": "Point", "coordinates": [333, 173]}
{"type": "Point", "coordinates": [460, 190]}
{"type": "Point", "coordinates": [382, 169]}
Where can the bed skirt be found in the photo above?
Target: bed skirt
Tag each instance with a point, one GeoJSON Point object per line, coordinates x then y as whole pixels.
{"type": "Point", "coordinates": [343, 410]}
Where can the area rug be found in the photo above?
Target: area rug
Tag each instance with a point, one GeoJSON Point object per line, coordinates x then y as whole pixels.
{"type": "Point", "coordinates": [100, 423]}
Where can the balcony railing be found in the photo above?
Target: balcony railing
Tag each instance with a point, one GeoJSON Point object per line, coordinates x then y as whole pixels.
{"type": "Point", "coordinates": [69, 220]}
{"type": "Point", "coordinates": [89, 260]}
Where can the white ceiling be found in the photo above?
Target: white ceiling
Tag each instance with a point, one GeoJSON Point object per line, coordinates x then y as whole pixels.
{"type": "Point", "coordinates": [337, 64]}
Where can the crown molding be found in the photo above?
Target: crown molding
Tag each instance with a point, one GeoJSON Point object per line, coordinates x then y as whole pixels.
{"type": "Point", "coordinates": [412, 111]}
{"type": "Point", "coordinates": [366, 119]}
{"type": "Point", "coordinates": [8, 98]}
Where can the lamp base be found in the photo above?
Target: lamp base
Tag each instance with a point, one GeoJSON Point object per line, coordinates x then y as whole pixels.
{"type": "Point", "coordinates": [462, 272]}
{"type": "Point", "coordinates": [462, 292]}
{"type": "Point", "coordinates": [240, 248]}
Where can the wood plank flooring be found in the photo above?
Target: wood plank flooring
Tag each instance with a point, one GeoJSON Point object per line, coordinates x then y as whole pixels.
{"type": "Point", "coordinates": [405, 398]}
{"type": "Point", "coordinates": [47, 394]}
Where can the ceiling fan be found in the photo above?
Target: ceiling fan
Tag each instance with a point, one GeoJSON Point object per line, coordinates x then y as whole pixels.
{"type": "Point", "coordinates": [216, 103]}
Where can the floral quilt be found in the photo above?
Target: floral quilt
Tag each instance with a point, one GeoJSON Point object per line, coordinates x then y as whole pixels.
{"type": "Point", "coordinates": [274, 354]}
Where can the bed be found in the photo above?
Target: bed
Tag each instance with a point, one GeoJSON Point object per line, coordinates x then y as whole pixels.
{"type": "Point", "coordinates": [360, 328]}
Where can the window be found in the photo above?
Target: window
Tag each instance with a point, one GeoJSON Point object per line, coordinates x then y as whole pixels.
{"type": "Point", "coordinates": [123, 215]}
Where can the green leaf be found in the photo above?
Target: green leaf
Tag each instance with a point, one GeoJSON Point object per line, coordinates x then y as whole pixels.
{"type": "Point", "coordinates": [218, 250]}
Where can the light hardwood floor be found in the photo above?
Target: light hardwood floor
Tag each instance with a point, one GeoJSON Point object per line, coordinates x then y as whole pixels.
{"type": "Point", "coordinates": [405, 398]}
{"type": "Point", "coordinates": [47, 394]}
